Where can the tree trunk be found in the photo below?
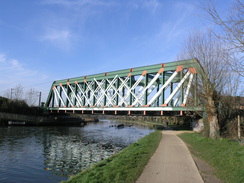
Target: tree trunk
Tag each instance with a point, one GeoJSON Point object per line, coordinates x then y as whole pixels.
{"type": "Point", "coordinates": [212, 119]}
{"type": "Point", "coordinates": [214, 126]}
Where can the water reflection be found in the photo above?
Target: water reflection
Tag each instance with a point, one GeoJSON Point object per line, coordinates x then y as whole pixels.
{"type": "Point", "coordinates": [68, 155]}
{"type": "Point", "coordinates": [51, 154]}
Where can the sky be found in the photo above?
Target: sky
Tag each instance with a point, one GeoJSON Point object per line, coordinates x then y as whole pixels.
{"type": "Point", "coordinates": [46, 40]}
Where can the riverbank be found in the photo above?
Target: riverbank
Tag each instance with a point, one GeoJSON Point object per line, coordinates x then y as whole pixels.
{"type": "Point", "coordinates": [14, 119]}
{"type": "Point", "coordinates": [126, 166]}
{"type": "Point", "coordinates": [156, 126]}
{"type": "Point", "coordinates": [225, 156]}
{"type": "Point", "coordinates": [172, 120]}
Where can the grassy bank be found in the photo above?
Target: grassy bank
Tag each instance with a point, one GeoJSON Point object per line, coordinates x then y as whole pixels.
{"type": "Point", "coordinates": [225, 156]}
{"type": "Point", "coordinates": [150, 124]}
{"type": "Point", "coordinates": [156, 126]}
{"type": "Point", "coordinates": [126, 166]}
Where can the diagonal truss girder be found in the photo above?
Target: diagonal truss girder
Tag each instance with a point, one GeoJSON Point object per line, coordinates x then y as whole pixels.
{"type": "Point", "coordinates": [154, 87]}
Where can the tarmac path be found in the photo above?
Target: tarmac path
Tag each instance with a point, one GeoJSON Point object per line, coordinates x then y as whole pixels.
{"type": "Point", "coordinates": [171, 163]}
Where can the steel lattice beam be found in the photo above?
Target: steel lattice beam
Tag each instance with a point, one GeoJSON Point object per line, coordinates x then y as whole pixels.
{"type": "Point", "coordinates": [160, 87]}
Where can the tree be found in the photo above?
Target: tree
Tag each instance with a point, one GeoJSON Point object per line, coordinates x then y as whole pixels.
{"type": "Point", "coordinates": [31, 97]}
{"type": "Point", "coordinates": [212, 84]}
{"type": "Point", "coordinates": [231, 34]}
{"type": "Point", "coordinates": [17, 92]}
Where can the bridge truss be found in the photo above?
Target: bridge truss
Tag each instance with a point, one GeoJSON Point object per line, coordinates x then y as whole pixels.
{"type": "Point", "coordinates": [153, 88]}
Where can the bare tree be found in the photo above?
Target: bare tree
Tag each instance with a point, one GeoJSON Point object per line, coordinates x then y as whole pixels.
{"type": "Point", "coordinates": [31, 97]}
{"type": "Point", "coordinates": [7, 94]}
{"type": "Point", "coordinates": [17, 92]}
{"type": "Point", "coordinates": [232, 27]}
{"type": "Point", "coordinates": [215, 80]}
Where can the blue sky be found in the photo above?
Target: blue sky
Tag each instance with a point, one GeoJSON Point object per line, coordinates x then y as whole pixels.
{"type": "Point", "coordinates": [46, 40]}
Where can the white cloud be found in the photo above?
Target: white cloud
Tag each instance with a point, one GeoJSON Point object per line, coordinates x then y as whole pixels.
{"type": "Point", "coordinates": [16, 65]}
{"type": "Point", "coordinates": [2, 58]}
{"type": "Point", "coordinates": [150, 5]}
{"type": "Point", "coordinates": [14, 72]}
{"type": "Point", "coordinates": [153, 5]}
{"type": "Point", "coordinates": [61, 29]}
{"type": "Point", "coordinates": [64, 28]}
{"type": "Point", "coordinates": [60, 38]}
{"type": "Point", "coordinates": [178, 25]}
{"type": "Point", "coordinates": [57, 35]}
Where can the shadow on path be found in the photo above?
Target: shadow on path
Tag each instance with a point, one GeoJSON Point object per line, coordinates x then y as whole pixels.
{"type": "Point", "coordinates": [166, 128]}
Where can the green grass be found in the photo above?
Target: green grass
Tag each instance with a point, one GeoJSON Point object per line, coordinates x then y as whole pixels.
{"type": "Point", "coordinates": [126, 166]}
{"type": "Point", "coordinates": [224, 155]}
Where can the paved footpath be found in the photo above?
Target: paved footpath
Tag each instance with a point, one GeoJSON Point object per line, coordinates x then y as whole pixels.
{"type": "Point", "coordinates": [171, 163]}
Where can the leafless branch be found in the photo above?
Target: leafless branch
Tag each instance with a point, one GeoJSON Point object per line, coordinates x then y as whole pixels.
{"type": "Point", "coordinates": [232, 31]}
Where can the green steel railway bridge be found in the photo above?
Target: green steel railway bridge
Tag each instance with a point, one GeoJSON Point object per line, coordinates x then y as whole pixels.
{"type": "Point", "coordinates": [154, 89]}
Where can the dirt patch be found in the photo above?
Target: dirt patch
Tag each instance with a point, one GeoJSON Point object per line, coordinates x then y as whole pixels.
{"type": "Point", "coordinates": [206, 171]}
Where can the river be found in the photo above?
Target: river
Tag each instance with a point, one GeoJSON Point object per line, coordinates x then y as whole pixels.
{"type": "Point", "coordinates": [52, 154]}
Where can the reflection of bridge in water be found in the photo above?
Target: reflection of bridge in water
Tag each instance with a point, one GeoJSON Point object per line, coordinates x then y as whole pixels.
{"type": "Point", "coordinates": [144, 90]}
{"type": "Point", "coordinates": [67, 151]}
{"type": "Point", "coordinates": [68, 155]}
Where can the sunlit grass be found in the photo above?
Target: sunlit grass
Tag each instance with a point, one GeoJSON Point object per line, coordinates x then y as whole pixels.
{"type": "Point", "coordinates": [224, 155]}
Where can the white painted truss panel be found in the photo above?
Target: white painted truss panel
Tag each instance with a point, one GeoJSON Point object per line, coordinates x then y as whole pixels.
{"type": "Point", "coordinates": [138, 92]}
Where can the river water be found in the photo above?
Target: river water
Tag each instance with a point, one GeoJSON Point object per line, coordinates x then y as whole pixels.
{"type": "Point", "coordinates": [52, 154]}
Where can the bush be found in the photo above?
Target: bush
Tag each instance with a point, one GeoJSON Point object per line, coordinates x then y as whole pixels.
{"type": "Point", "coordinates": [18, 107]}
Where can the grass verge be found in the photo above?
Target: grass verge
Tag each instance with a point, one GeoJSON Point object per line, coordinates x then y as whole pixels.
{"type": "Point", "coordinates": [224, 155]}
{"type": "Point", "coordinates": [126, 166]}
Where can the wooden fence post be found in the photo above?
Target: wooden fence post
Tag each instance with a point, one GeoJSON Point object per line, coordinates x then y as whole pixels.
{"type": "Point", "coordinates": [239, 126]}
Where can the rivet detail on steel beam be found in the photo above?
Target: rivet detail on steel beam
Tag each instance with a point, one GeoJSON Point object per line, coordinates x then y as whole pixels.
{"type": "Point", "coordinates": [164, 105]}
{"type": "Point", "coordinates": [144, 73]}
{"type": "Point", "coordinates": [179, 68]}
{"type": "Point", "coordinates": [160, 70]}
{"type": "Point", "coordinates": [192, 70]}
